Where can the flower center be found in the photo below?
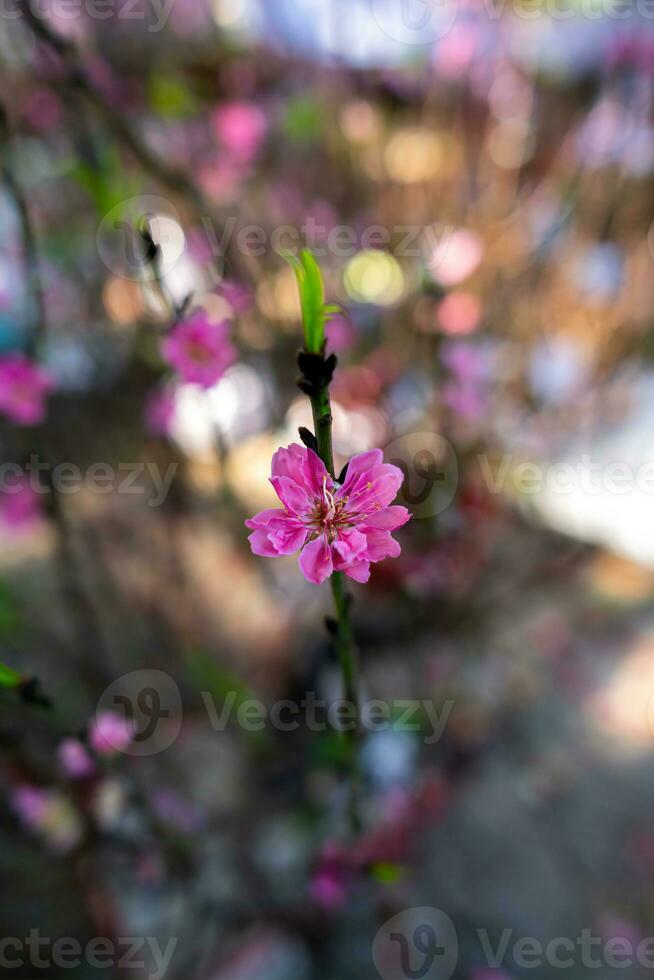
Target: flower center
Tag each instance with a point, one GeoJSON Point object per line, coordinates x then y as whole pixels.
{"type": "Point", "coordinates": [329, 516]}
{"type": "Point", "coordinates": [198, 352]}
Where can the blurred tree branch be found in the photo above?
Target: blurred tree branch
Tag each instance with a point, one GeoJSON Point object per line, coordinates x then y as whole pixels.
{"type": "Point", "coordinates": [176, 180]}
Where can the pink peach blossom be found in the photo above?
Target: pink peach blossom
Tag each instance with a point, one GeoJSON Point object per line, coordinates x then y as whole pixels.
{"type": "Point", "coordinates": [200, 351]}
{"type": "Point", "coordinates": [337, 527]}
{"type": "Point", "coordinates": [24, 386]}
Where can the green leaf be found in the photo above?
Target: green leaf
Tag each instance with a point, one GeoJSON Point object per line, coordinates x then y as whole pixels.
{"type": "Point", "coordinates": [387, 873]}
{"type": "Point", "coordinates": [303, 120]}
{"type": "Point", "coordinates": [315, 313]}
{"type": "Point", "coordinates": [8, 677]}
{"type": "Point", "coordinates": [169, 97]}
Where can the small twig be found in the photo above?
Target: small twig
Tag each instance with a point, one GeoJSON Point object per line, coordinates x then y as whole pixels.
{"type": "Point", "coordinates": [317, 372]}
{"type": "Point", "coordinates": [178, 181]}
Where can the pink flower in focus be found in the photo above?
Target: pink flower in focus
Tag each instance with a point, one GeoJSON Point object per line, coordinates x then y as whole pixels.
{"type": "Point", "coordinates": [200, 351]}
{"type": "Point", "coordinates": [74, 760]}
{"type": "Point", "coordinates": [339, 528]}
{"type": "Point", "coordinates": [110, 733]}
{"type": "Point", "coordinates": [240, 127]}
{"type": "Point", "coordinates": [23, 389]}
{"type": "Point", "coordinates": [20, 505]}
{"type": "Point", "coordinates": [160, 411]}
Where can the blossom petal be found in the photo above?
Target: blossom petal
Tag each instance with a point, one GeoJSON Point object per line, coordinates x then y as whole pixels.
{"type": "Point", "coordinates": [316, 560]}
{"type": "Point", "coordinates": [289, 539]}
{"type": "Point", "coordinates": [349, 546]}
{"type": "Point", "coordinates": [301, 465]}
{"type": "Point", "coordinates": [381, 545]}
{"type": "Point", "coordinates": [359, 571]}
{"type": "Point", "coordinates": [276, 533]}
{"type": "Point", "coordinates": [294, 497]}
{"type": "Point", "coordinates": [375, 490]}
{"type": "Point", "coordinates": [261, 544]}
{"type": "Point", "coordinates": [361, 464]}
{"type": "Point", "coordinates": [389, 519]}
{"type": "Point", "coordinates": [265, 517]}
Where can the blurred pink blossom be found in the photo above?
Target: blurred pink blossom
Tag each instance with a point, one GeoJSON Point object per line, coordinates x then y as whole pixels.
{"type": "Point", "coordinates": [24, 387]}
{"type": "Point", "coordinates": [465, 361]}
{"type": "Point", "coordinates": [74, 760]}
{"type": "Point", "coordinates": [465, 393]}
{"type": "Point", "coordinates": [456, 256]}
{"type": "Point", "coordinates": [42, 109]}
{"type": "Point", "coordinates": [160, 411]}
{"type": "Point", "coordinates": [337, 527]}
{"type": "Point", "coordinates": [110, 733]}
{"type": "Point", "coordinates": [49, 814]}
{"type": "Point", "coordinates": [328, 888]}
{"type": "Point", "coordinates": [200, 351]}
{"type": "Point", "coordinates": [459, 313]}
{"type": "Point", "coordinates": [240, 128]}
{"type": "Point", "coordinates": [237, 295]}
{"type": "Point", "coordinates": [340, 334]}
{"type": "Point", "coordinates": [20, 504]}
{"type": "Point", "coordinates": [30, 804]}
